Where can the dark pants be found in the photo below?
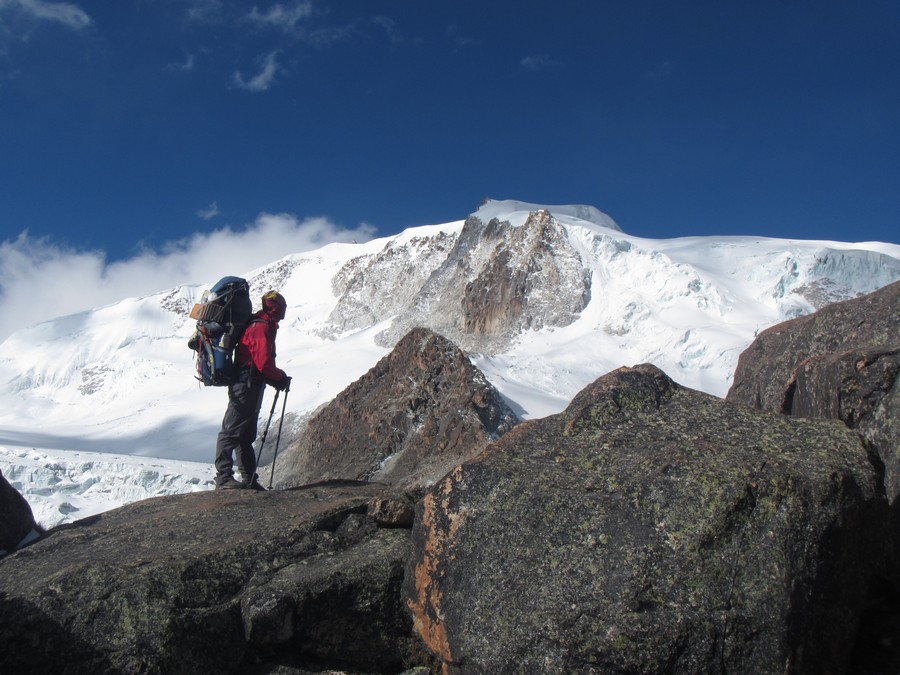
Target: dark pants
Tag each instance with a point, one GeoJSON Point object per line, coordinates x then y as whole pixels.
{"type": "Point", "coordinates": [239, 431]}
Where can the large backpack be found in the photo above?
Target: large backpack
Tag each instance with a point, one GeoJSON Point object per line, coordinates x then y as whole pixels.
{"type": "Point", "coordinates": [222, 315]}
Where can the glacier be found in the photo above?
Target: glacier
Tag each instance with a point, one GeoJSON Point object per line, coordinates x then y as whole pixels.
{"type": "Point", "coordinates": [62, 486]}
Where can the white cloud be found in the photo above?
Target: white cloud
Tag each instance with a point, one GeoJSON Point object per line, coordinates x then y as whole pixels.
{"type": "Point", "coordinates": [458, 39]}
{"type": "Point", "coordinates": [539, 62]}
{"type": "Point", "coordinates": [390, 28]}
{"type": "Point", "coordinates": [40, 279]}
{"type": "Point", "coordinates": [287, 19]}
{"type": "Point", "coordinates": [185, 66]}
{"type": "Point", "coordinates": [68, 14]}
{"type": "Point", "coordinates": [210, 212]}
{"type": "Point", "coordinates": [262, 80]}
{"type": "Point", "coordinates": [296, 21]}
{"type": "Point", "coordinates": [205, 11]}
{"type": "Point", "coordinates": [661, 70]}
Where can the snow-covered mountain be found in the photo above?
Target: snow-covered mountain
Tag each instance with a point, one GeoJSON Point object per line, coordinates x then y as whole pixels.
{"type": "Point", "coordinates": [544, 299]}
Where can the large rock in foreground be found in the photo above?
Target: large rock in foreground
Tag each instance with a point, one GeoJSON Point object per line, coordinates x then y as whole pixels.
{"type": "Point", "coordinates": [843, 362]}
{"type": "Point", "coordinates": [420, 411]}
{"type": "Point", "coordinates": [221, 581]}
{"type": "Point", "coordinates": [650, 528]}
{"type": "Point", "coordinates": [17, 521]}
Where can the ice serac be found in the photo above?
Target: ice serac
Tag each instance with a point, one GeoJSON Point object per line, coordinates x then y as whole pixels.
{"type": "Point", "coordinates": [66, 486]}
{"type": "Point", "coordinates": [831, 275]}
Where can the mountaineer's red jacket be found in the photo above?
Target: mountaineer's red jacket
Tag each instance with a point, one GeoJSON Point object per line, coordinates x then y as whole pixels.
{"type": "Point", "coordinates": [257, 347]}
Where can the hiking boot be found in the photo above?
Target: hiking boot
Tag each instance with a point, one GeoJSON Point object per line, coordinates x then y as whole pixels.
{"type": "Point", "coordinates": [253, 485]}
{"type": "Point", "coordinates": [229, 484]}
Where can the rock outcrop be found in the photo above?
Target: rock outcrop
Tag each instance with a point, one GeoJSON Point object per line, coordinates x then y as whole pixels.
{"type": "Point", "coordinates": [223, 581]}
{"type": "Point", "coordinates": [420, 411]}
{"type": "Point", "coordinates": [512, 278]}
{"type": "Point", "coordinates": [17, 522]}
{"type": "Point", "coordinates": [764, 376]}
{"type": "Point", "coordinates": [842, 362]}
{"type": "Point", "coordinates": [651, 528]}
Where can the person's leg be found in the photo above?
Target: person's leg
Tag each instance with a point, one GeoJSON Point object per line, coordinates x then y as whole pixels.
{"type": "Point", "coordinates": [246, 456]}
{"type": "Point", "coordinates": [227, 440]}
{"type": "Point", "coordinates": [242, 413]}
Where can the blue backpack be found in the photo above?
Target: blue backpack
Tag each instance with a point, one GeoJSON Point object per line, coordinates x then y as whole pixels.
{"type": "Point", "coordinates": [222, 315]}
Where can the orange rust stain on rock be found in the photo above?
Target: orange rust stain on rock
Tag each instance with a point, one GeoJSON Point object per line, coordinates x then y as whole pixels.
{"type": "Point", "coordinates": [427, 606]}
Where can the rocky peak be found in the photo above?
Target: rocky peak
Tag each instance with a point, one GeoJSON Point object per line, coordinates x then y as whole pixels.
{"type": "Point", "coordinates": [533, 279]}
{"type": "Point", "coordinates": [415, 415]}
{"type": "Point", "coordinates": [765, 371]}
{"type": "Point", "coordinates": [512, 277]}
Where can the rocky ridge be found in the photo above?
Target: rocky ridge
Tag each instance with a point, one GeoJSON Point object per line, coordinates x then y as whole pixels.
{"type": "Point", "coordinates": [434, 410]}
{"type": "Point", "coordinates": [224, 581]}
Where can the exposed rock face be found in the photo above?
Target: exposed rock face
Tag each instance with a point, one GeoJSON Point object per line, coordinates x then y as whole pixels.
{"type": "Point", "coordinates": [765, 372]}
{"type": "Point", "coordinates": [862, 388]}
{"type": "Point", "coordinates": [221, 581]}
{"type": "Point", "coordinates": [479, 289]}
{"type": "Point", "coordinates": [422, 409]}
{"type": "Point", "coordinates": [514, 279]}
{"type": "Point", "coordinates": [17, 520]}
{"type": "Point", "coordinates": [841, 362]}
{"type": "Point", "coordinates": [651, 528]}
{"type": "Point", "coordinates": [376, 287]}
{"type": "Point", "coordinates": [534, 278]}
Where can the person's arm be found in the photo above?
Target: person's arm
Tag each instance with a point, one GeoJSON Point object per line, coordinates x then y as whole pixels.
{"type": "Point", "coordinates": [259, 338]}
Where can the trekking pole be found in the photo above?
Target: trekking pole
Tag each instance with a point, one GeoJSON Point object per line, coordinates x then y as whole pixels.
{"type": "Point", "coordinates": [278, 439]}
{"type": "Point", "coordinates": [266, 430]}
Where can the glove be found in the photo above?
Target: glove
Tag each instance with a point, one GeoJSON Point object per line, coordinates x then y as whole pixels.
{"type": "Point", "coordinates": [283, 384]}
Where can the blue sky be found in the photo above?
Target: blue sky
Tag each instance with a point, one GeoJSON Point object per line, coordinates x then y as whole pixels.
{"type": "Point", "coordinates": [130, 129]}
